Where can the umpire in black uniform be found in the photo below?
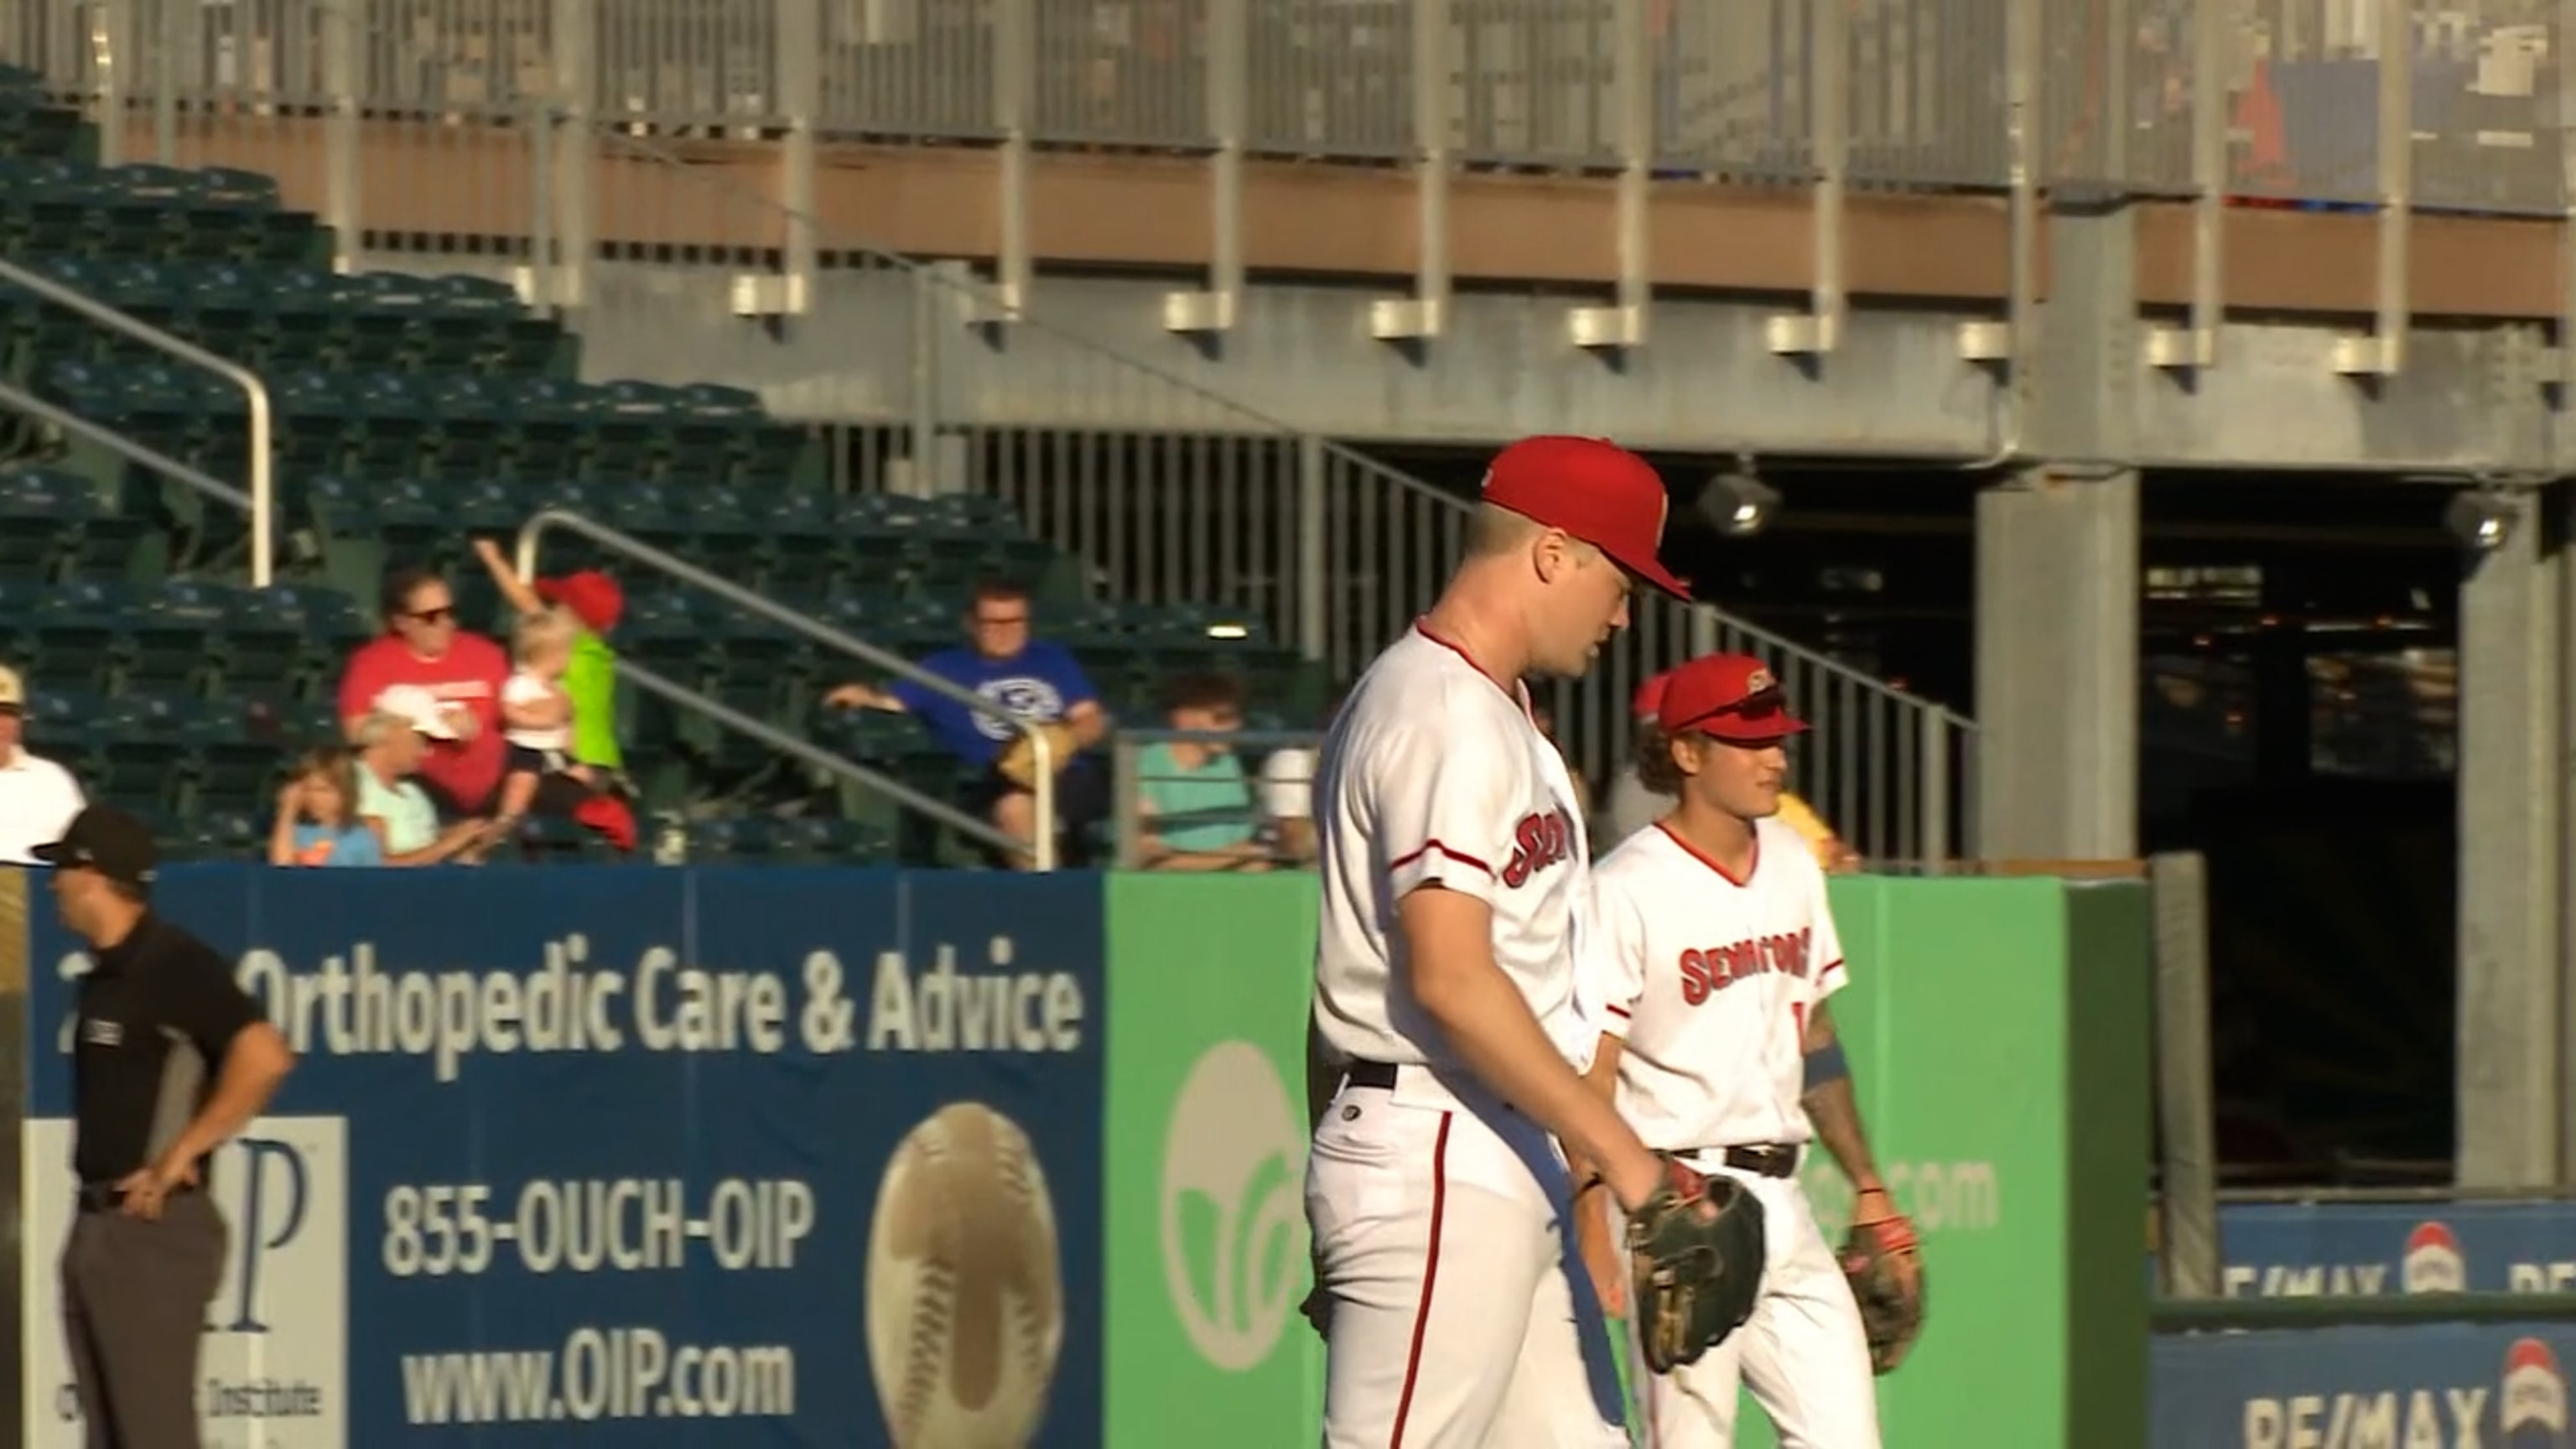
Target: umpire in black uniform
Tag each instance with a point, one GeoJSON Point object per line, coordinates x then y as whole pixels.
{"type": "Point", "coordinates": [169, 1058]}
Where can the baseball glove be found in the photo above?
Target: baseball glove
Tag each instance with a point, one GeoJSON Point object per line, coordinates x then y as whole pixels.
{"type": "Point", "coordinates": [1019, 761]}
{"type": "Point", "coordinates": [1885, 1266]}
{"type": "Point", "coordinates": [1695, 1253]}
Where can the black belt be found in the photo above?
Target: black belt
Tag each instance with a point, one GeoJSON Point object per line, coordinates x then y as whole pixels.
{"type": "Point", "coordinates": [1371, 1074]}
{"type": "Point", "coordinates": [1767, 1159]}
{"type": "Point", "coordinates": [1382, 1075]}
{"type": "Point", "coordinates": [107, 1197]}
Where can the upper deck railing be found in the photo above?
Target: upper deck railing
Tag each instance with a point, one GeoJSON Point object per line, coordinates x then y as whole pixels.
{"type": "Point", "coordinates": [1922, 96]}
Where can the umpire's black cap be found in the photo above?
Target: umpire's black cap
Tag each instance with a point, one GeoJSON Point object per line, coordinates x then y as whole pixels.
{"type": "Point", "coordinates": [109, 841]}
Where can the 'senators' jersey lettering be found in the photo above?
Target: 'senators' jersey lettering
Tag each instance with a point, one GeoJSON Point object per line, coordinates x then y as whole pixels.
{"type": "Point", "coordinates": [1711, 980]}
{"type": "Point", "coordinates": [1433, 775]}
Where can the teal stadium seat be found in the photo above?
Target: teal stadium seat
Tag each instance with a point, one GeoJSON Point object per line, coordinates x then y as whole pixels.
{"type": "Point", "coordinates": [31, 127]}
{"type": "Point", "coordinates": [137, 750]}
{"type": "Point", "coordinates": [54, 523]}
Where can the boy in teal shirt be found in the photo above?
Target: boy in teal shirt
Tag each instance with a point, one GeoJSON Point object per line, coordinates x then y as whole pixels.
{"type": "Point", "coordinates": [1196, 803]}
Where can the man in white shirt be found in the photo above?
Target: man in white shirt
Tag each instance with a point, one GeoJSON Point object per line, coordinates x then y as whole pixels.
{"type": "Point", "coordinates": [1447, 1038]}
{"type": "Point", "coordinates": [38, 798]}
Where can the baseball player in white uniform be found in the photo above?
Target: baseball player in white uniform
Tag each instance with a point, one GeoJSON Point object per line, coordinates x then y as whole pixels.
{"type": "Point", "coordinates": [1719, 956]}
{"type": "Point", "coordinates": [1448, 1048]}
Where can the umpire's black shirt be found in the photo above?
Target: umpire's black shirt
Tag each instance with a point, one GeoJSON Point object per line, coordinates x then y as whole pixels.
{"type": "Point", "coordinates": [154, 1017]}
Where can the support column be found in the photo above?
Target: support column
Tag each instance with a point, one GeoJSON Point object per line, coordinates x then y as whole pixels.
{"type": "Point", "coordinates": [2057, 666]}
{"type": "Point", "coordinates": [2512, 804]}
{"type": "Point", "coordinates": [2057, 569]}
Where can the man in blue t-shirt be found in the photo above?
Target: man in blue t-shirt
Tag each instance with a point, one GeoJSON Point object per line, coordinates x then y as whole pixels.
{"type": "Point", "coordinates": [1027, 676]}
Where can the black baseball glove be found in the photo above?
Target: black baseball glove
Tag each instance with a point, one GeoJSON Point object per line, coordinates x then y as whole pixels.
{"type": "Point", "coordinates": [1695, 1250]}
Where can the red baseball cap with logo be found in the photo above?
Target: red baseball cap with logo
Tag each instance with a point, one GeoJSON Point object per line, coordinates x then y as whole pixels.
{"type": "Point", "coordinates": [1728, 696]}
{"type": "Point", "coordinates": [1593, 489]}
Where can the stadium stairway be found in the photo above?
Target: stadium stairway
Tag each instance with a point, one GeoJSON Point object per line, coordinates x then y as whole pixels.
{"type": "Point", "coordinates": [415, 413]}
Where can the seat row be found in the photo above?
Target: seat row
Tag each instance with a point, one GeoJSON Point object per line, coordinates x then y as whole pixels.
{"type": "Point", "coordinates": [281, 319]}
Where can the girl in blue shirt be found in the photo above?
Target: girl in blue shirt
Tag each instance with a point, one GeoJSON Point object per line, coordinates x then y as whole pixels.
{"type": "Point", "coordinates": [317, 822]}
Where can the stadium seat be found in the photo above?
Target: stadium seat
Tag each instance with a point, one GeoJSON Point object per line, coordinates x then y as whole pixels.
{"type": "Point", "coordinates": [53, 522]}
{"type": "Point", "coordinates": [136, 750]}
{"type": "Point", "coordinates": [31, 127]}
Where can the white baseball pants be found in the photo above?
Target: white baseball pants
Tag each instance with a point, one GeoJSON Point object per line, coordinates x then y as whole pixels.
{"type": "Point", "coordinates": [1803, 1353]}
{"type": "Point", "coordinates": [1460, 1318]}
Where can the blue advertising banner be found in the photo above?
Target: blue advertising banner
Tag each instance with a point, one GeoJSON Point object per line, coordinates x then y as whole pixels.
{"type": "Point", "coordinates": [617, 1156]}
{"type": "Point", "coordinates": [2433, 1386]}
{"type": "Point", "coordinates": [2305, 1250]}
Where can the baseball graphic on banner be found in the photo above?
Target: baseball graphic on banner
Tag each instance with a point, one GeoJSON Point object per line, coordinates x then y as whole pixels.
{"type": "Point", "coordinates": [965, 1289]}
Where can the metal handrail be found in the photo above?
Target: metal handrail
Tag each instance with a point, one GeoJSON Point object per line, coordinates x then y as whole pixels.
{"type": "Point", "coordinates": [813, 754]}
{"type": "Point", "coordinates": [125, 447]}
{"type": "Point", "coordinates": [1042, 784]}
{"type": "Point", "coordinates": [1128, 836]}
{"type": "Point", "coordinates": [263, 496]}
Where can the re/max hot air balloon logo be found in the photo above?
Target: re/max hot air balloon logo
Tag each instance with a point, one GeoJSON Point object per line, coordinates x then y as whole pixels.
{"type": "Point", "coordinates": [2434, 1263]}
{"type": "Point", "coordinates": [2532, 1412]}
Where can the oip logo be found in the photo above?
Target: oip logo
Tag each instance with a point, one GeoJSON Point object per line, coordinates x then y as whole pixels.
{"type": "Point", "coordinates": [2533, 1414]}
{"type": "Point", "coordinates": [1233, 1210]}
{"type": "Point", "coordinates": [2434, 1263]}
{"type": "Point", "coordinates": [273, 1367]}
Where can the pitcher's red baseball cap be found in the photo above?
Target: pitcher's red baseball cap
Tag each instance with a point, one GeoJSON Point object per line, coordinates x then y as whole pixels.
{"type": "Point", "coordinates": [1593, 489]}
{"type": "Point", "coordinates": [1731, 696]}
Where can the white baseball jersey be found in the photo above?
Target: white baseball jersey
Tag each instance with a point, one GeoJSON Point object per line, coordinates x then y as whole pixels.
{"type": "Point", "coordinates": [1710, 980]}
{"type": "Point", "coordinates": [1433, 772]}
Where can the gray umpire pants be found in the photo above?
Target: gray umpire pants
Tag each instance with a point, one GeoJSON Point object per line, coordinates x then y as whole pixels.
{"type": "Point", "coordinates": [134, 1306]}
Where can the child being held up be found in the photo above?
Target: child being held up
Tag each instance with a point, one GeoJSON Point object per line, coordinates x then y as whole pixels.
{"type": "Point", "coordinates": [536, 713]}
{"type": "Point", "coordinates": [588, 682]}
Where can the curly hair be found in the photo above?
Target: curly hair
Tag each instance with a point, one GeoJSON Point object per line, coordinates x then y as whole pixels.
{"type": "Point", "coordinates": [1654, 756]}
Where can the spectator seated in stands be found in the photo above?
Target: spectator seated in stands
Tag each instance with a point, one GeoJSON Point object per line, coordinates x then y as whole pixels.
{"type": "Point", "coordinates": [1196, 803]}
{"type": "Point", "coordinates": [588, 682]}
{"type": "Point", "coordinates": [1288, 792]}
{"type": "Point", "coordinates": [317, 814]}
{"type": "Point", "coordinates": [1029, 677]}
{"type": "Point", "coordinates": [391, 749]}
{"type": "Point", "coordinates": [446, 679]}
{"type": "Point", "coordinates": [38, 798]}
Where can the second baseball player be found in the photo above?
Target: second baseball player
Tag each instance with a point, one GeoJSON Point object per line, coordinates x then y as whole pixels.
{"type": "Point", "coordinates": [1718, 956]}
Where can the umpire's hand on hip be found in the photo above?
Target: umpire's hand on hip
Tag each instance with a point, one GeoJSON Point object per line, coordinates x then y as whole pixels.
{"type": "Point", "coordinates": [144, 1191]}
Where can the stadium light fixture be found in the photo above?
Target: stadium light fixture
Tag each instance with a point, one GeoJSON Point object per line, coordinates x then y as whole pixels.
{"type": "Point", "coordinates": [2480, 518]}
{"type": "Point", "coordinates": [1737, 502]}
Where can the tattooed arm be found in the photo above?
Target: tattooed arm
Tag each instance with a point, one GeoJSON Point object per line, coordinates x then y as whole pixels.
{"type": "Point", "coordinates": [1833, 1107]}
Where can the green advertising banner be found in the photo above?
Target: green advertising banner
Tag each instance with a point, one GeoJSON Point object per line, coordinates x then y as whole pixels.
{"type": "Point", "coordinates": [1997, 1032]}
{"type": "Point", "coordinates": [1205, 1247]}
